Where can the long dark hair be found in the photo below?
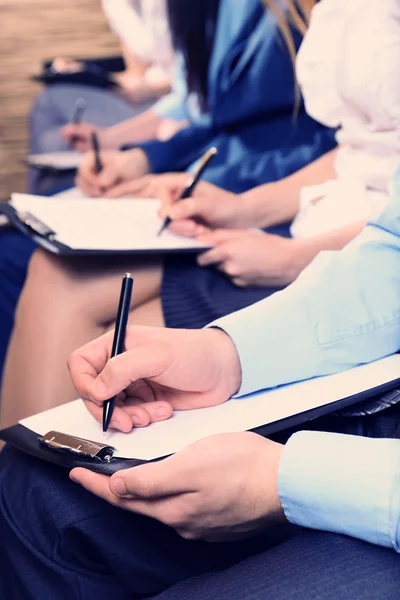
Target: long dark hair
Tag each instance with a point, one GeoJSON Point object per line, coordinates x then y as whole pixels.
{"type": "Point", "coordinates": [193, 24]}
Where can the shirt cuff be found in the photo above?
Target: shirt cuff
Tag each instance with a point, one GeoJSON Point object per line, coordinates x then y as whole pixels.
{"type": "Point", "coordinates": [343, 484]}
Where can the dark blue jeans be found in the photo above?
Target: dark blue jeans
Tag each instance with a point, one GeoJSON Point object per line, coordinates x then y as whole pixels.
{"type": "Point", "coordinates": [59, 541]}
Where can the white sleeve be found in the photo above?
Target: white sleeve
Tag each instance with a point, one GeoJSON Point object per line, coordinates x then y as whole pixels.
{"type": "Point", "coordinates": [124, 19]}
{"type": "Point", "coordinates": [370, 62]}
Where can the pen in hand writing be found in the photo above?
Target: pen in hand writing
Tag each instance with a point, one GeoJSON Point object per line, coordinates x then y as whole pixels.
{"type": "Point", "coordinates": [98, 165]}
{"type": "Point", "coordinates": [119, 339]}
{"type": "Point", "coordinates": [193, 181]}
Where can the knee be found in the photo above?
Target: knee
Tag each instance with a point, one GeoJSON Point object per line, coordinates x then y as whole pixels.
{"type": "Point", "coordinates": [49, 284]}
{"type": "Point", "coordinates": [45, 121]}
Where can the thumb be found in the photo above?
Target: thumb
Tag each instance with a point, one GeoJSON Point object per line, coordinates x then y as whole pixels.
{"type": "Point", "coordinates": [191, 207]}
{"type": "Point", "coordinates": [108, 175]}
{"type": "Point", "coordinates": [122, 189]}
{"type": "Point", "coordinates": [218, 236]}
{"type": "Point", "coordinates": [154, 480]}
{"type": "Point", "coordinates": [122, 370]}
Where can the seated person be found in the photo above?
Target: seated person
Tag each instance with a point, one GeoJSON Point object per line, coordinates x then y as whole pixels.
{"type": "Point", "coordinates": [257, 143]}
{"type": "Point", "coordinates": [147, 533]}
{"type": "Point", "coordinates": [149, 70]}
{"type": "Point", "coordinates": [249, 266]}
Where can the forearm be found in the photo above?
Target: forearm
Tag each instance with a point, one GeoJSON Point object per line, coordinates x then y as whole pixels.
{"type": "Point", "coordinates": [136, 130]}
{"type": "Point", "coordinates": [337, 310]}
{"type": "Point", "coordinates": [285, 194]}
{"type": "Point", "coordinates": [132, 63]}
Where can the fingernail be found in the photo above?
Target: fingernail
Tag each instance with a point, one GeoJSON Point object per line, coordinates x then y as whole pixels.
{"type": "Point", "coordinates": [72, 478]}
{"type": "Point", "coordinates": [119, 487]}
{"type": "Point", "coordinates": [98, 388]}
{"type": "Point", "coordinates": [115, 424]}
{"type": "Point", "coordinates": [161, 412]}
{"type": "Point", "coordinates": [136, 421]}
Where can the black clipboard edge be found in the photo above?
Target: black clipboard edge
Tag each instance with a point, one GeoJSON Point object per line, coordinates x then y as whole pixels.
{"type": "Point", "coordinates": [27, 441]}
{"type": "Point", "coordinates": [62, 250]}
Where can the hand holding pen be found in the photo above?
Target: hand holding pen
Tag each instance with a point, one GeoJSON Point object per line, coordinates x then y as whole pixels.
{"type": "Point", "coordinates": [193, 181]}
{"type": "Point", "coordinates": [118, 346]}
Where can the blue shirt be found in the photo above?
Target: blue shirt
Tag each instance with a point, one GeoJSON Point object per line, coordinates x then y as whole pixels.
{"type": "Point", "coordinates": [344, 310]}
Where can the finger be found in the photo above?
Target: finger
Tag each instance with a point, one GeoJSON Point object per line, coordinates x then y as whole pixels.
{"type": "Point", "coordinates": [187, 228]}
{"type": "Point", "coordinates": [149, 412]}
{"type": "Point", "coordinates": [155, 480]}
{"type": "Point", "coordinates": [95, 483]}
{"type": "Point", "coordinates": [222, 235]}
{"type": "Point", "coordinates": [214, 256]}
{"type": "Point", "coordinates": [191, 207]}
{"type": "Point", "coordinates": [240, 282]}
{"type": "Point", "coordinates": [86, 363]}
{"type": "Point", "coordinates": [121, 419]}
{"type": "Point", "coordinates": [86, 187]}
{"type": "Point", "coordinates": [122, 370]}
{"type": "Point", "coordinates": [122, 189]}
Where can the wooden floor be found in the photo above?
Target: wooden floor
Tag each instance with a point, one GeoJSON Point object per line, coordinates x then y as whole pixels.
{"type": "Point", "coordinates": [33, 30]}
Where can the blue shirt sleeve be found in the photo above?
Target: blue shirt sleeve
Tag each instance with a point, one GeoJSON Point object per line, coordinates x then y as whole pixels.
{"type": "Point", "coordinates": [344, 484]}
{"type": "Point", "coordinates": [342, 311]}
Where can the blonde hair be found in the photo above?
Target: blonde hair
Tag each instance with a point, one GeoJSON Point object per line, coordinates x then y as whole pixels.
{"type": "Point", "coordinates": [294, 12]}
{"type": "Point", "coordinates": [298, 14]}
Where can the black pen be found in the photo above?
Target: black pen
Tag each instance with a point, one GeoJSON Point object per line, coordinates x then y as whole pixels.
{"type": "Point", "coordinates": [119, 338]}
{"type": "Point", "coordinates": [193, 181]}
{"type": "Point", "coordinates": [98, 165]}
{"type": "Point", "coordinates": [80, 107]}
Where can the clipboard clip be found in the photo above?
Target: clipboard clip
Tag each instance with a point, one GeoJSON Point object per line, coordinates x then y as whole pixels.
{"type": "Point", "coordinates": [36, 225]}
{"type": "Point", "coordinates": [67, 443]}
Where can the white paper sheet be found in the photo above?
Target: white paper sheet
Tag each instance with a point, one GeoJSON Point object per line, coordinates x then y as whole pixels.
{"type": "Point", "coordinates": [74, 192]}
{"type": "Point", "coordinates": [184, 428]}
{"type": "Point", "coordinates": [103, 224]}
{"type": "Point", "coordinates": [62, 161]}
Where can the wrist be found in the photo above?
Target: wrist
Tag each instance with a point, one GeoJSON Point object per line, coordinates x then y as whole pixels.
{"type": "Point", "coordinates": [137, 163]}
{"type": "Point", "coordinates": [302, 253]}
{"type": "Point", "coordinates": [274, 203]}
{"type": "Point", "coordinates": [226, 355]}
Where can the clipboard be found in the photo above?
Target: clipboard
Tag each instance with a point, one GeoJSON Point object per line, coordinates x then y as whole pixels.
{"type": "Point", "coordinates": [265, 413]}
{"type": "Point", "coordinates": [85, 219]}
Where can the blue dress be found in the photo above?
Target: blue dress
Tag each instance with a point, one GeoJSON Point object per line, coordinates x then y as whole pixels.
{"type": "Point", "coordinates": [259, 137]}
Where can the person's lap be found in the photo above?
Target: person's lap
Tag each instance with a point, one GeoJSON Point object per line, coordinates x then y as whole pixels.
{"type": "Point", "coordinates": [62, 542]}
{"type": "Point", "coordinates": [15, 252]}
{"type": "Point", "coordinates": [54, 107]}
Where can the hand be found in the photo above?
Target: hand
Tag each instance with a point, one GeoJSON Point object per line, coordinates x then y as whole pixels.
{"type": "Point", "coordinates": [169, 127]}
{"type": "Point", "coordinates": [118, 167]}
{"type": "Point", "coordinates": [222, 487]}
{"type": "Point", "coordinates": [253, 258]}
{"type": "Point", "coordinates": [208, 207]}
{"type": "Point", "coordinates": [79, 135]}
{"type": "Point", "coordinates": [161, 370]}
{"type": "Point", "coordinates": [134, 87]}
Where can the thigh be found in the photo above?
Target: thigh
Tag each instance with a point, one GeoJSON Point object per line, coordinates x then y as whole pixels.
{"type": "Point", "coordinates": [310, 566]}
{"type": "Point", "coordinates": [58, 539]}
{"type": "Point", "coordinates": [54, 107]}
{"type": "Point", "coordinates": [91, 285]}
{"type": "Point", "coordinates": [15, 253]}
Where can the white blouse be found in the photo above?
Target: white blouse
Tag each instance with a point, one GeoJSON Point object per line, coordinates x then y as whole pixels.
{"type": "Point", "coordinates": [349, 70]}
{"type": "Point", "coordinates": [143, 27]}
